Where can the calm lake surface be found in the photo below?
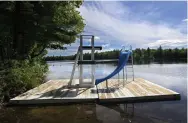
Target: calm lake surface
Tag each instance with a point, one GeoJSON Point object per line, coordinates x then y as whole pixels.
{"type": "Point", "coordinates": [172, 76]}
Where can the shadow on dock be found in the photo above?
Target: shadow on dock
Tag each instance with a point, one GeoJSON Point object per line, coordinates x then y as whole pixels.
{"type": "Point", "coordinates": [104, 90]}
{"type": "Point", "coordinates": [63, 91]}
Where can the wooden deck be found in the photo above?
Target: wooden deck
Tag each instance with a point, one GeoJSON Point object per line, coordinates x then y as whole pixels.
{"type": "Point", "coordinates": [139, 90]}
{"type": "Point", "coordinates": [57, 92]}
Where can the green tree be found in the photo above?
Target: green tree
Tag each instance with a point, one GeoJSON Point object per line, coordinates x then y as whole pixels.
{"type": "Point", "coordinates": [27, 29]}
{"type": "Point", "coordinates": [148, 53]}
{"type": "Point", "coordinates": [31, 27]}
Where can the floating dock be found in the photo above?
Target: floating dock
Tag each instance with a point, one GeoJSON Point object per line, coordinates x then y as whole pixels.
{"type": "Point", "coordinates": [57, 92]}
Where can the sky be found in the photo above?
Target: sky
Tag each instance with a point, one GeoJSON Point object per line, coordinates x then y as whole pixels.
{"type": "Point", "coordinates": [137, 23]}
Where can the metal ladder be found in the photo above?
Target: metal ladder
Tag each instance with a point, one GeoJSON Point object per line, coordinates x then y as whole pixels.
{"type": "Point", "coordinates": [128, 68]}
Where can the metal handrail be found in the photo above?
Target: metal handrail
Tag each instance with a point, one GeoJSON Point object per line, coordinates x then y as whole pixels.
{"type": "Point", "coordinates": [123, 49]}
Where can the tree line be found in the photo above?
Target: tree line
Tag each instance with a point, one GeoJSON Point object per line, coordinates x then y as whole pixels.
{"type": "Point", "coordinates": [140, 55]}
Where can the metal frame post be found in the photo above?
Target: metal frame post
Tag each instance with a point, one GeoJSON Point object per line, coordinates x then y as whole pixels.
{"type": "Point", "coordinates": [126, 73]}
{"type": "Point", "coordinates": [92, 58]}
{"type": "Point", "coordinates": [107, 84]}
{"type": "Point", "coordinates": [132, 64]}
{"type": "Point", "coordinates": [81, 59]}
{"type": "Point", "coordinates": [92, 50]}
{"type": "Point", "coordinates": [81, 75]}
{"type": "Point", "coordinates": [81, 50]}
{"type": "Point", "coordinates": [118, 78]}
{"type": "Point", "coordinates": [93, 76]}
{"type": "Point", "coordinates": [123, 76]}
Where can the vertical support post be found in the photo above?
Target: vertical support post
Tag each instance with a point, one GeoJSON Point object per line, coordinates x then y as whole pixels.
{"type": "Point", "coordinates": [93, 76]}
{"type": "Point", "coordinates": [107, 85]}
{"type": "Point", "coordinates": [81, 75]}
{"type": "Point", "coordinates": [92, 58]}
{"type": "Point", "coordinates": [126, 72]}
{"type": "Point", "coordinates": [81, 50]}
{"type": "Point", "coordinates": [81, 59]}
{"type": "Point", "coordinates": [132, 64]}
{"type": "Point", "coordinates": [118, 78]}
{"type": "Point", "coordinates": [92, 50]}
{"type": "Point", "coordinates": [123, 76]}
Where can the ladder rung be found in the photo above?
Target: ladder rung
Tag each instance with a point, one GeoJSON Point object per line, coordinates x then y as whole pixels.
{"type": "Point", "coordinates": [129, 74]}
{"type": "Point", "coordinates": [129, 70]}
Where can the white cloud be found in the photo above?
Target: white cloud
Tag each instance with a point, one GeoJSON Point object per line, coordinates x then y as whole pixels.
{"type": "Point", "coordinates": [126, 31]}
{"type": "Point", "coordinates": [185, 20]}
{"type": "Point", "coordinates": [105, 45]}
{"type": "Point", "coordinates": [115, 8]}
{"type": "Point", "coordinates": [97, 37]}
{"type": "Point", "coordinates": [168, 43]}
{"type": "Point", "coordinates": [105, 49]}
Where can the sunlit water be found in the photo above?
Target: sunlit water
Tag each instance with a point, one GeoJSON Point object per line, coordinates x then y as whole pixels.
{"type": "Point", "coordinates": [172, 76]}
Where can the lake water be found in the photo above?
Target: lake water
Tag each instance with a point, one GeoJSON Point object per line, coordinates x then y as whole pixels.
{"type": "Point", "coordinates": [172, 76]}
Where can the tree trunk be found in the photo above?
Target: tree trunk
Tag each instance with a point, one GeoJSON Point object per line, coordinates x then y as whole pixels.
{"type": "Point", "coordinates": [16, 21]}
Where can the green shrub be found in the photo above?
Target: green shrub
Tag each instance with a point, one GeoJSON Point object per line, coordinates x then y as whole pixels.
{"type": "Point", "coordinates": [20, 76]}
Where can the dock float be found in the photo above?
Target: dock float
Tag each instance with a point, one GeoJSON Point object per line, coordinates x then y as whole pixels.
{"type": "Point", "coordinates": [57, 92]}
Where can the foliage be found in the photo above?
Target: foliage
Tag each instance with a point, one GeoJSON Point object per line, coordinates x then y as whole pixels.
{"type": "Point", "coordinates": [37, 25]}
{"type": "Point", "coordinates": [27, 28]}
{"type": "Point", "coordinates": [20, 76]}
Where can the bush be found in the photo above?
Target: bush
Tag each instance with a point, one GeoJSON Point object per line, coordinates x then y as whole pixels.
{"type": "Point", "coordinates": [17, 77]}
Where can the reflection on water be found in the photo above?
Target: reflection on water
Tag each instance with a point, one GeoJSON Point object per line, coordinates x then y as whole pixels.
{"type": "Point", "coordinates": [172, 76]}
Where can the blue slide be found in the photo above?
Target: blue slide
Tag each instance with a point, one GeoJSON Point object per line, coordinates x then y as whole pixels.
{"type": "Point", "coordinates": [123, 58]}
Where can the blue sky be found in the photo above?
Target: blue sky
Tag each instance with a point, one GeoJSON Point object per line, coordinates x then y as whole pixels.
{"type": "Point", "coordinates": [140, 24]}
